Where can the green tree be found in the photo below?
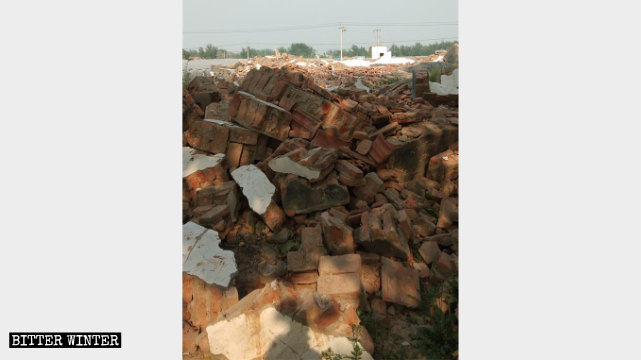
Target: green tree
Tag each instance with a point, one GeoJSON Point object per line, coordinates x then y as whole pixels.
{"type": "Point", "coordinates": [210, 52]}
{"type": "Point", "coordinates": [301, 49]}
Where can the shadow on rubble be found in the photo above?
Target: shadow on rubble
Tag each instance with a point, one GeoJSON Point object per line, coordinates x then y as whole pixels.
{"type": "Point", "coordinates": [292, 340]}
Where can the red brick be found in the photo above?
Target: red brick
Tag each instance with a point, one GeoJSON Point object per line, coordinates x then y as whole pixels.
{"type": "Point", "coordinates": [429, 251]}
{"type": "Point", "coordinates": [349, 263]}
{"type": "Point", "coordinates": [381, 149]}
{"type": "Point", "coordinates": [337, 234]}
{"type": "Point", "coordinates": [274, 216]}
{"type": "Point", "coordinates": [234, 153]}
{"type": "Point", "coordinates": [364, 147]}
{"type": "Point", "coordinates": [340, 284]}
{"type": "Point", "coordinates": [400, 284]}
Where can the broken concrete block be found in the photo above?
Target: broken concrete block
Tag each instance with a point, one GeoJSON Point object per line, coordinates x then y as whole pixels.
{"type": "Point", "coordinates": [255, 186]}
{"type": "Point", "coordinates": [338, 235]}
{"type": "Point", "coordinates": [399, 283]}
{"type": "Point", "coordinates": [201, 171]}
{"type": "Point", "coordinates": [313, 164]}
{"type": "Point", "coordinates": [269, 334]}
{"type": "Point", "coordinates": [378, 233]}
{"type": "Point", "coordinates": [193, 162]}
{"type": "Point", "coordinates": [304, 322]}
{"type": "Point", "coordinates": [300, 197]}
{"type": "Point", "coordinates": [203, 257]}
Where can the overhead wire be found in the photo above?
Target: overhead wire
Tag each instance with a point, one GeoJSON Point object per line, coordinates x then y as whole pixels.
{"type": "Point", "coordinates": [317, 26]}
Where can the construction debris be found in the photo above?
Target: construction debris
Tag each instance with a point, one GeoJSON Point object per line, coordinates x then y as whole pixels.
{"type": "Point", "coordinates": [349, 177]}
{"type": "Point", "coordinates": [203, 257]}
{"type": "Point", "coordinates": [278, 322]}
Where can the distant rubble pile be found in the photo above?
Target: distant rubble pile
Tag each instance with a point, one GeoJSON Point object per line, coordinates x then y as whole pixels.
{"type": "Point", "coordinates": [333, 201]}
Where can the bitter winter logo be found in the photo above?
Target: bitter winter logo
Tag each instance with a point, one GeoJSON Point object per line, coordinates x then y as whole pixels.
{"type": "Point", "coordinates": [65, 340]}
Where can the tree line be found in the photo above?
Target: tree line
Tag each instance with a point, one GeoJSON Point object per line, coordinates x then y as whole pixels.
{"type": "Point", "coordinates": [301, 49]}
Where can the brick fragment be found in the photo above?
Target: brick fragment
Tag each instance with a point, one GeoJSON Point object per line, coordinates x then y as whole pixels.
{"type": "Point", "coordinates": [400, 284]}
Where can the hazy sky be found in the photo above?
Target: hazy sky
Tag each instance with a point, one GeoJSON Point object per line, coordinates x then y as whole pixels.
{"type": "Point", "coordinates": [272, 23]}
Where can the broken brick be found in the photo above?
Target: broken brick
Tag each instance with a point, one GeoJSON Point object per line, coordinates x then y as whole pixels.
{"type": "Point", "coordinates": [399, 283]}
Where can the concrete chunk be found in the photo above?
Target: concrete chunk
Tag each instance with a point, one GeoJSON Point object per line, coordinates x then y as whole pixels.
{"type": "Point", "coordinates": [256, 187]}
{"type": "Point", "coordinates": [193, 162]}
{"type": "Point", "coordinates": [203, 257]}
{"type": "Point", "coordinates": [313, 164]}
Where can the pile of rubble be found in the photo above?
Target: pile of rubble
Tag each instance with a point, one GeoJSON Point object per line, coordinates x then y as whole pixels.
{"type": "Point", "coordinates": [303, 204]}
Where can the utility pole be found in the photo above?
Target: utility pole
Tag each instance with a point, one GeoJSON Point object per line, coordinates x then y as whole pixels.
{"type": "Point", "coordinates": [378, 36]}
{"type": "Point", "coordinates": [342, 30]}
{"type": "Point", "coordinates": [248, 51]}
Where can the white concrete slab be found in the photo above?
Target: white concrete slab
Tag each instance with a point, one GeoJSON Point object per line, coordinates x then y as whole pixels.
{"type": "Point", "coordinates": [272, 335]}
{"type": "Point", "coordinates": [193, 162]}
{"type": "Point", "coordinates": [203, 257]}
{"type": "Point", "coordinates": [256, 187]}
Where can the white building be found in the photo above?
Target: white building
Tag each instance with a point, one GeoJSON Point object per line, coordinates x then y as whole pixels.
{"type": "Point", "coordinates": [379, 52]}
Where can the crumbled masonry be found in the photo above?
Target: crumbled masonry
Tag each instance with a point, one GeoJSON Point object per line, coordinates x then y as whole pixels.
{"type": "Point", "coordinates": [313, 194]}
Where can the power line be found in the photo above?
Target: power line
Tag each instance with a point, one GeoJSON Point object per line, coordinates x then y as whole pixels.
{"type": "Point", "coordinates": [304, 27]}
